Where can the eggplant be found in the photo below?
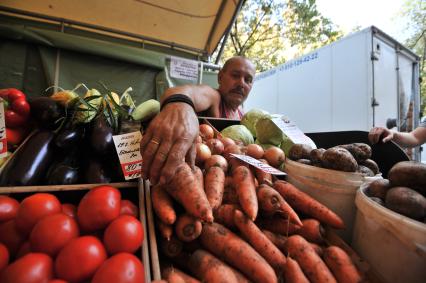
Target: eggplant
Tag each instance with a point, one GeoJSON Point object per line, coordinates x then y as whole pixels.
{"type": "Point", "coordinates": [101, 140]}
{"type": "Point", "coordinates": [70, 138]}
{"type": "Point", "coordinates": [65, 171]}
{"type": "Point", "coordinates": [95, 172]}
{"type": "Point", "coordinates": [29, 164]}
{"type": "Point", "coordinates": [45, 111]}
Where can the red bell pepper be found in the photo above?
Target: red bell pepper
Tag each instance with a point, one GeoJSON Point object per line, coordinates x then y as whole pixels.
{"type": "Point", "coordinates": [17, 109]}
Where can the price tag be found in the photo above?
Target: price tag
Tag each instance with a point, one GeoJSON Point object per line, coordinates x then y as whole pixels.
{"type": "Point", "coordinates": [258, 164]}
{"type": "Point", "coordinates": [128, 151]}
{"type": "Point", "coordinates": [3, 140]}
{"type": "Point", "coordinates": [183, 69]}
{"type": "Point", "coordinates": [293, 132]}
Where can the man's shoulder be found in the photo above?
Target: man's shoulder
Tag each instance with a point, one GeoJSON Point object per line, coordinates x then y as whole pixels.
{"type": "Point", "coordinates": [423, 122]}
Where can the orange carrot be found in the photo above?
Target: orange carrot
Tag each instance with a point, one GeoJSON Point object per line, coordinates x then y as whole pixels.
{"type": "Point", "coordinates": [227, 246]}
{"type": "Point", "coordinates": [277, 224]}
{"type": "Point", "coordinates": [308, 205]}
{"type": "Point", "coordinates": [246, 190]}
{"type": "Point", "coordinates": [214, 185]}
{"type": "Point", "coordinates": [174, 275]}
{"type": "Point", "coordinates": [198, 176]}
{"type": "Point", "coordinates": [271, 202]}
{"type": "Point", "coordinates": [277, 239]}
{"type": "Point", "coordinates": [259, 241]}
{"type": "Point", "coordinates": [293, 273]}
{"type": "Point", "coordinates": [188, 192]}
{"type": "Point", "coordinates": [162, 204]}
{"type": "Point", "coordinates": [312, 265]}
{"type": "Point", "coordinates": [317, 249]}
{"type": "Point", "coordinates": [229, 194]}
{"type": "Point", "coordinates": [262, 176]}
{"type": "Point", "coordinates": [312, 231]}
{"type": "Point", "coordinates": [235, 162]}
{"type": "Point", "coordinates": [208, 268]}
{"type": "Point", "coordinates": [341, 265]}
{"type": "Point", "coordinates": [225, 215]}
{"type": "Point", "coordinates": [171, 248]}
{"type": "Point", "coordinates": [166, 230]}
{"type": "Point", "coordinates": [187, 228]}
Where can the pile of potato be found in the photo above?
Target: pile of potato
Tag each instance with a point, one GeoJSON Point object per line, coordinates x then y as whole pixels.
{"type": "Point", "coordinates": [404, 191]}
{"type": "Point", "coordinates": [353, 157]}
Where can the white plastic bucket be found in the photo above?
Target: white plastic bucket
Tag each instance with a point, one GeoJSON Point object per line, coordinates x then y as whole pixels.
{"type": "Point", "coordinates": [394, 245]}
{"type": "Point", "coordinates": [335, 189]}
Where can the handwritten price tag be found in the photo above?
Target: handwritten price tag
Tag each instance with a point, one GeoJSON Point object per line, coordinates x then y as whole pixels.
{"type": "Point", "coordinates": [127, 147]}
{"type": "Point", "coordinates": [293, 132]}
{"type": "Point", "coordinates": [258, 164]}
{"type": "Point", "coordinates": [3, 140]}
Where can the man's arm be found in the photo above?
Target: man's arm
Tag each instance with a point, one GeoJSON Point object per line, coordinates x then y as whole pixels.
{"type": "Point", "coordinates": [414, 138]}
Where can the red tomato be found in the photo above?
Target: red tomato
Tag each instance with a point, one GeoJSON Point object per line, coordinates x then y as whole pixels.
{"type": "Point", "coordinates": [23, 250]}
{"type": "Point", "coordinates": [80, 258]}
{"type": "Point", "coordinates": [57, 281]}
{"type": "Point", "coordinates": [11, 237]}
{"type": "Point", "coordinates": [4, 257]}
{"type": "Point", "coordinates": [8, 208]}
{"type": "Point", "coordinates": [120, 268]}
{"type": "Point", "coordinates": [124, 234]}
{"type": "Point", "coordinates": [98, 208]}
{"type": "Point", "coordinates": [129, 208]}
{"type": "Point", "coordinates": [32, 268]}
{"type": "Point", "coordinates": [69, 209]}
{"type": "Point", "coordinates": [34, 208]}
{"type": "Point", "coordinates": [52, 233]}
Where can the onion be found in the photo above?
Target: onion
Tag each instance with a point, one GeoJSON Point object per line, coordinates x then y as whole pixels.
{"type": "Point", "coordinates": [203, 153]}
{"type": "Point", "coordinates": [231, 149]}
{"type": "Point", "coordinates": [275, 156]}
{"type": "Point", "coordinates": [215, 145]}
{"type": "Point", "coordinates": [227, 141]}
{"type": "Point", "coordinates": [255, 151]}
{"type": "Point", "coordinates": [206, 132]}
{"type": "Point", "coordinates": [198, 139]}
{"type": "Point", "coordinates": [216, 160]}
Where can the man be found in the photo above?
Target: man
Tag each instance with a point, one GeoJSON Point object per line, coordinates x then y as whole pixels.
{"type": "Point", "coordinates": [169, 140]}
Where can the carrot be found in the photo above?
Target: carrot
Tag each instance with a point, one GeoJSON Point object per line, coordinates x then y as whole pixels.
{"type": "Point", "coordinates": [259, 241]}
{"type": "Point", "coordinates": [312, 231]}
{"type": "Point", "coordinates": [188, 192]}
{"type": "Point", "coordinates": [159, 281]}
{"type": "Point", "coordinates": [171, 248]}
{"type": "Point", "coordinates": [162, 204]}
{"type": "Point", "coordinates": [271, 202]}
{"type": "Point", "coordinates": [214, 185]}
{"type": "Point", "coordinates": [341, 265]}
{"type": "Point", "coordinates": [311, 264]}
{"type": "Point", "coordinates": [174, 275]}
{"type": "Point", "coordinates": [262, 176]}
{"type": "Point", "coordinates": [235, 162]}
{"type": "Point", "coordinates": [208, 268]}
{"type": "Point", "coordinates": [277, 224]}
{"type": "Point", "coordinates": [277, 239]}
{"type": "Point", "coordinates": [227, 246]}
{"type": "Point", "coordinates": [187, 228]}
{"type": "Point", "coordinates": [229, 194]}
{"type": "Point", "coordinates": [166, 230]}
{"type": "Point", "coordinates": [317, 249]}
{"type": "Point", "coordinates": [225, 215]}
{"type": "Point", "coordinates": [246, 190]}
{"type": "Point", "coordinates": [308, 205]}
{"type": "Point", "coordinates": [293, 273]}
{"type": "Point", "coordinates": [198, 176]}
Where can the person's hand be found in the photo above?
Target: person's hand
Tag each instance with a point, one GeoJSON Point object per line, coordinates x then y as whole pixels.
{"type": "Point", "coordinates": [169, 139]}
{"type": "Point", "coordinates": [377, 132]}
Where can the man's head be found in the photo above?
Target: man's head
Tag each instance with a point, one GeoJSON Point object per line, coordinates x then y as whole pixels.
{"type": "Point", "coordinates": [235, 80]}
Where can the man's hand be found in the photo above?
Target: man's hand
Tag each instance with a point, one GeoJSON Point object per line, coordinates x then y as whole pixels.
{"type": "Point", "coordinates": [169, 139]}
{"type": "Point", "coordinates": [377, 132]}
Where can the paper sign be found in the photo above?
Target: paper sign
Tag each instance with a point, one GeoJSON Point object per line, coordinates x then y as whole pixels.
{"type": "Point", "coordinates": [258, 164]}
{"type": "Point", "coordinates": [3, 140]}
{"type": "Point", "coordinates": [183, 69]}
{"type": "Point", "coordinates": [128, 151]}
{"type": "Point", "coordinates": [293, 132]}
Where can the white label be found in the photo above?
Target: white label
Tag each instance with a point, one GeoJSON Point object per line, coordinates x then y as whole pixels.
{"type": "Point", "coordinates": [3, 140]}
{"type": "Point", "coordinates": [293, 132]}
{"type": "Point", "coordinates": [183, 69]}
{"type": "Point", "coordinates": [128, 151]}
{"type": "Point", "coordinates": [258, 164]}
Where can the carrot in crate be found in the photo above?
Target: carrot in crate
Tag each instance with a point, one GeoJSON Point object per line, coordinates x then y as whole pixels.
{"type": "Point", "coordinates": [174, 275]}
{"type": "Point", "coordinates": [293, 273]}
{"type": "Point", "coordinates": [278, 224]}
{"type": "Point", "coordinates": [214, 185]}
{"type": "Point", "coordinates": [166, 230]}
{"type": "Point", "coordinates": [171, 248]}
{"type": "Point", "coordinates": [341, 265]}
{"type": "Point", "coordinates": [229, 194]}
{"type": "Point", "coordinates": [312, 231]}
{"type": "Point", "coordinates": [187, 227]}
{"type": "Point", "coordinates": [308, 205]}
{"type": "Point", "coordinates": [246, 190]}
{"type": "Point", "coordinates": [262, 176]}
{"type": "Point", "coordinates": [198, 176]}
{"type": "Point", "coordinates": [162, 204]}
{"type": "Point", "coordinates": [225, 215]}
{"type": "Point", "coordinates": [277, 239]}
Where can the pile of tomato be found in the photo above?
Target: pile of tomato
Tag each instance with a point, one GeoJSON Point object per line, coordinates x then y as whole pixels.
{"type": "Point", "coordinates": [44, 240]}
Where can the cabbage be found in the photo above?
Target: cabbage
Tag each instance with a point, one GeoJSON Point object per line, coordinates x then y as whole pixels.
{"type": "Point", "coordinates": [238, 133]}
{"type": "Point", "coordinates": [286, 145]}
{"type": "Point", "coordinates": [251, 117]}
{"type": "Point", "coordinates": [265, 146]}
{"type": "Point", "coordinates": [267, 132]}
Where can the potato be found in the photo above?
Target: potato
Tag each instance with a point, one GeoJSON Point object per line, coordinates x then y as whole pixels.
{"type": "Point", "coordinates": [364, 170]}
{"type": "Point", "coordinates": [410, 174]}
{"type": "Point", "coordinates": [304, 161]}
{"type": "Point", "coordinates": [316, 155]}
{"type": "Point", "coordinates": [378, 188]}
{"type": "Point", "coordinates": [407, 202]}
{"type": "Point", "coordinates": [338, 158]}
{"type": "Point", "coordinates": [299, 151]}
{"type": "Point", "coordinates": [371, 164]}
{"type": "Point", "coordinates": [360, 151]}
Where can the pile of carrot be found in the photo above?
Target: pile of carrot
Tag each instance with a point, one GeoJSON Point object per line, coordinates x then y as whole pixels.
{"type": "Point", "coordinates": [235, 223]}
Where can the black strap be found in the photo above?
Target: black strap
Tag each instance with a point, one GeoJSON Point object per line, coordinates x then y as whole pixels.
{"type": "Point", "coordinates": [178, 98]}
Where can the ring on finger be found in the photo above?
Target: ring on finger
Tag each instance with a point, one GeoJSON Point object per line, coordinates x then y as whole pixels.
{"type": "Point", "coordinates": [154, 141]}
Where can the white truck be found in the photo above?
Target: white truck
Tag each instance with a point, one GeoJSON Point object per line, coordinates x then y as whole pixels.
{"type": "Point", "coordinates": [363, 80]}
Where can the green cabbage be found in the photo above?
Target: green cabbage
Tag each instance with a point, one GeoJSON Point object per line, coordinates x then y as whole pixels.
{"type": "Point", "coordinates": [267, 132]}
{"type": "Point", "coordinates": [251, 117]}
{"type": "Point", "coordinates": [238, 133]}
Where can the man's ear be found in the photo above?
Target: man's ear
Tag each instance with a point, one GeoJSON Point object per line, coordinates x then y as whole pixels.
{"type": "Point", "coordinates": [219, 76]}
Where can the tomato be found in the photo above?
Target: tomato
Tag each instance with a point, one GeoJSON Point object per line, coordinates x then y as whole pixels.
{"type": "Point", "coordinates": [69, 209]}
{"type": "Point", "coordinates": [34, 208]}
{"type": "Point", "coordinates": [98, 208]}
{"type": "Point", "coordinates": [23, 250]}
{"type": "Point", "coordinates": [129, 208]}
{"type": "Point", "coordinates": [124, 234]}
{"type": "Point", "coordinates": [4, 257]}
{"type": "Point", "coordinates": [52, 233]}
{"type": "Point", "coordinates": [120, 268]}
{"type": "Point", "coordinates": [8, 208]}
{"type": "Point", "coordinates": [80, 258]}
{"type": "Point", "coordinates": [11, 237]}
{"type": "Point", "coordinates": [57, 281]}
{"type": "Point", "coordinates": [32, 268]}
